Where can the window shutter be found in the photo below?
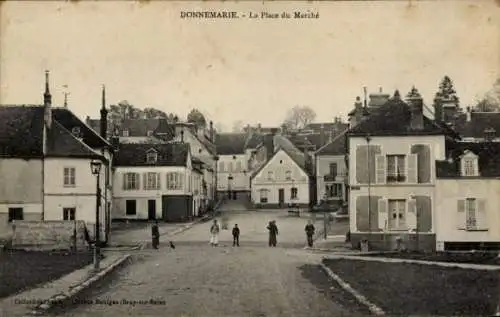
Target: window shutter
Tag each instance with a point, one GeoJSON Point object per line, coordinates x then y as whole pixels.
{"type": "Point", "coordinates": [411, 214]}
{"type": "Point", "coordinates": [380, 168]}
{"type": "Point", "coordinates": [125, 181]}
{"type": "Point", "coordinates": [482, 214]}
{"type": "Point", "coordinates": [158, 181]}
{"type": "Point", "coordinates": [145, 181]}
{"type": "Point", "coordinates": [382, 214]}
{"type": "Point", "coordinates": [412, 170]}
{"type": "Point", "coordinates": [461, 218]}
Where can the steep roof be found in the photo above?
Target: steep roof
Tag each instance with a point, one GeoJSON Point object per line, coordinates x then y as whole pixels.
{"type": "Point", "coordinates": [21, 131]}
{"type": "Point", "coordinates": [393, 118]}
{"type": "Point", "coordinates": [327, 126]}
{"type": "Point", "coordinates": [170, 154]}
{"type": "Point", "coordinates": [337, 146]}
{"type": "Point", "coordinates": [478, 124]}
{"type": "Point", "coordinates": [254, 140]}
{"type": "Point", "coordinates": [230, 143]}
{"type": "Point", "coordinates": [488, 158]}
{"type": "Point", "coordinates": [21, 134]}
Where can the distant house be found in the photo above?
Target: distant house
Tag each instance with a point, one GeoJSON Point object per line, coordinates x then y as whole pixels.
{"type": "Point", "coordinates": [392, 177]}
{"type": "Point", "coordinates": [284, 179]}
{"type": "Point", "coordinates": [45, 163]}
{"type": "Point", "coordinates": [155, 181]}
{"type": "Point", "coordinates": [331, 171]}
{"type": "Point", "coordinates": [468, 197]}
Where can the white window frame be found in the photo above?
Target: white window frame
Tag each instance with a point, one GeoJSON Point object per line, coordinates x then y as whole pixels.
{"type": "Point", "coordinates": [263, 195]}
{"type": "Point", "coordinates": [288, 175]}
{"type": "Point", "coordinates": [238, 167]}
{"type": "Point", "coordinates": [175, 180]}
{"type": "Point", "coordinates": [334, 190]}
{"type": "Point", "coordinates": [469, 165]}
{"type": "Point", "coordinates": [149, 133]}
{"type": "Point", "coordinates": [69, 178]}
{"type": "Point", "coordinates": [151, 181]}
{"type": "Point", "coordinates": [69, 213]}
{"type": "Point", "coordinates": [471, 214]}
{"type": "Point", "coordinates": [270, 175]}
{"type": "Point", "coordinates": [151, 156]}
{"type": "Point", "coordinates": [125, 133]}
{"type": "Point", "coordinates": [398, 226]}
{"type": "Point", "coordinates": [399, 171]}
{"type": "Point", "coordinates": [294, 193]}
{"type": "Point", "coordinates": [131, 181]}
{"type": "Point", "coordinates": [221, 166]}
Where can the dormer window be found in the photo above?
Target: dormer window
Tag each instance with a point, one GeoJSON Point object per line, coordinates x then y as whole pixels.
{"type": "Point", "coordinates": [469, 164]}
{"type": "Point", "coordinates": [125, 133]}
{"type": "Point", "coordinates": [76, 131]}
{"type": "Point", "coordinates": [151, 156]}
{"type": "Point", "coordinates": [150, 133]}
{"type": "Point", "coordinates": [489, 134]}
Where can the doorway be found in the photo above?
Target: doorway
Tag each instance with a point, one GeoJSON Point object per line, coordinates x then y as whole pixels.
{"type": "Point", "coordinates": [151, 209]}
{"type": "Point", "coordinates": [281, 196]}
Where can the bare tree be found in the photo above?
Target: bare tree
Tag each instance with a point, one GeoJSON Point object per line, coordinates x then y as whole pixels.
{"type": "Point", "coordinates": [238, 126]}
{"type": "Point", "coordinates": [298, 117]}
{"type": "Point", "coordinates": [491, 100]}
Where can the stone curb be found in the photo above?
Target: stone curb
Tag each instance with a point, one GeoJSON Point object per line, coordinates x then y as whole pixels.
{"type": "Point", "coordinates": [360, 257]}
{"type": "Point", "coordinates": [49, 303]}
{"type": "Point", "coordinates": [374, 309]}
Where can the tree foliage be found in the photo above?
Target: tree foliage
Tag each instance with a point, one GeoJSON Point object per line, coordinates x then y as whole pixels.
{"type": "Point", "coordinates": [490, 102]}
{"type": "Point", "coordinates": [298, 117]}
{"type": "Point", "coordinates": [238, 126]}
{"type": "Point", "coordinates": [196, 117]}
{"type": "Point", "coordinates": [447, 90]}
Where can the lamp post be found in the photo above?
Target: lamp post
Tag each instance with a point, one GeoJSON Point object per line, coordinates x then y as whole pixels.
{"type": "Point", "coordinates": [95, 167]}
{"type": "Point", "coordinates": [368, 153]}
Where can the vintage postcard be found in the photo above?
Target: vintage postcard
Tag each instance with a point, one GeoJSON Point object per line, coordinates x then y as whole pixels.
{"type": "Point", "coordinates": [250, 158]}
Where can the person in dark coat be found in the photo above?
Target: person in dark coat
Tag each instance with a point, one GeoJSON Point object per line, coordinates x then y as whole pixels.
{"type": "Point", "coordinates": [155, 235]}
{"type": "Point", "coordinates": [309, 233]}
{"type": "Point", "coordinates": [236, 236]}
{"type": "Point", "coordinates": [273, 232]}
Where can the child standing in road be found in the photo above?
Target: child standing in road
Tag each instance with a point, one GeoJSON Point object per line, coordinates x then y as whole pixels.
{"type": "Point", "coordinates": [236, 236]}
{"type": "Point", "coordinates": [214, 233]}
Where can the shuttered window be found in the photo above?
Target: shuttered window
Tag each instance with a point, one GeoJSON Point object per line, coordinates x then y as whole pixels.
{"type": "Point", "coordinates": [131, 181]}
{"type": "Point", "coordinates": [151, 181]}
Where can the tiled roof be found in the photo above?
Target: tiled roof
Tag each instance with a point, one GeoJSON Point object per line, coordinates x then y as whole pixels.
{"type": "Point", "coordinates": [327, 126]}
{"type": "Point", "coordinates": [488, 158]}
{"type": "Point", "coordinates": [69, 121]}
{"type": "Point", "coordinates": [141, 139]}
{"type": "Point", "coordinates": [393, 118]}
{"type": "Point", "coordinates": [61, 143]}
{"type": "Point", "coordinates": [140, 127]}
{"type": "Point", "coordinates": [254, 140]}
{"type": "Point", "coordinates": [21, 134]}
{"type": "Point", "coordinates": [230, 143]}
{"type": "Point", "coordinates": [337, 146]}
{"type": "Point", "coordinates": [479, 122]}
{"type": "Point", "coordinates": [170, 154]}
{"type": "Point", "coordinates": [21, 131]}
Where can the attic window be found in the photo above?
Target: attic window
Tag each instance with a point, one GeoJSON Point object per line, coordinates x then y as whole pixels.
{"type": "Point", "coordinates": [151, 156]}
{"type": "Point", "coordinates": [469, 164]}
{"type": "Point", "coordinates": [125, 133]}
{"type": "Point", "coordinates": [76, 131]}
{"type": "Point", "coordinates": [150, 133]}
{"type": "Point", "coordinates": [489, 133]}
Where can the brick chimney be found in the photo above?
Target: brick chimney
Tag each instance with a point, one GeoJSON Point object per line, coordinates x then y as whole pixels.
{"type": "Point", "coordinates": [212, 135]}
{"type": "Point", "coordinates": [322, 135]}
{"type": "Point", "coordinates": [416, 103]}
{"type": "Point", "coordinates": [269, 143]}
{"type": "Point", "coordinates": [104, 115]}
{"type": "Point", "coordinates": [47, 102]}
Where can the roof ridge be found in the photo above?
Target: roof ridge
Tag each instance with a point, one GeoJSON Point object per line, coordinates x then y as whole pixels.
{"type": "Point", "coordinates": [77, 139]}
{"type": "Point", "coordinates": [332, 140]}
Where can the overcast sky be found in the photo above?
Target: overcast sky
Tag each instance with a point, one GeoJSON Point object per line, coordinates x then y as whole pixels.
{"type": "Point", "coordinates": [242, 69]}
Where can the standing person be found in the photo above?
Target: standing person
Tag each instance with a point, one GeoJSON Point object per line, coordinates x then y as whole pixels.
{"type": "Point", "coordinates": [273, 232]}
{"type": "Point", "coordinates": [236, 235]}
{"type": "Point", "coordinates": [310, 233]}
{"type": "Point", "coordinates": [214, 233]}
{"type": "Point", "coordinates": [155, 235]}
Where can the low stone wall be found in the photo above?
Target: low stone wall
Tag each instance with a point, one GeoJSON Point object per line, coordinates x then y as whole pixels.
{"type": "Point", "coordinates": [388, 241]}
{"type": "Point", "coordinates": [49, 235]}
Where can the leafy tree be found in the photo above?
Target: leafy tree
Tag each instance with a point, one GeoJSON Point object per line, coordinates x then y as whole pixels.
{"type": "Point", "coordinates": [446, 89]}
{"type": "Point", "coordinates": [196, 117]}
{"type": "Point", "coordinates": [298, 117]}
{"type": "Point", "coordinates": [238, 126]}
{"type": "Point", "coordinates": [151, 113]}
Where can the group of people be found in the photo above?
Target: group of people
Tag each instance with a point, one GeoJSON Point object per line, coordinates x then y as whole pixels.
{"type": "Point", "coordinates": [215, 230]}
{"type": "Point", "coordinates": [271, 227]}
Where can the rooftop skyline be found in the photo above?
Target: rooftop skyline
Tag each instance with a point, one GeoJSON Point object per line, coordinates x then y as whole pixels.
{"type": "Point", "coordinates": [244, 70]}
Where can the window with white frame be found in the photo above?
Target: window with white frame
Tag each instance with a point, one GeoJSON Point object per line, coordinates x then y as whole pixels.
{"type": "Point", "coordinates": [270, 176]}
{"type": "Point", "coordinates": [151, 181]}
{"type": "Point", "coordinates": [150, 133]}
{"type": "Point", "coordinates": [470, 214]}
{"type": "Point", "coordinates": [396, 169]}
{"type": "Point", "coordinates": [263, 195]}
{"type": "Point", "coordinates": [238, 167]}
{"type": "Point", "coordinates": [151, 156]}
{"type": "Point", "coordinates": [125, 133]}
{"type": "Point", "coordinates": [288, 175]}
{"type": "Point", "coordinates": [294, 193]}
{"type": "Point", "coordinates": [69, 177]}
{"type": "Point", "coordinates": [175, 181]}
{"type": "Point", "coordinates": [230, 167]}
{"type": "Point", "coordinates": [469, 164]}
{"type": "Point", "coordinates": [131, 181]}
{"type": "Point", "coordinates": [397, 214]}
{"type": "Point", "coordinates": [334, 190]}
{"type": "Point", "coordinates": [221, 166]}
{"type": "Point", "coordinates": [69, 213]}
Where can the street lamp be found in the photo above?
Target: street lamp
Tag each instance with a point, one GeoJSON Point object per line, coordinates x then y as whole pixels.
{"type": "Point", "coordinates": [95, 167]}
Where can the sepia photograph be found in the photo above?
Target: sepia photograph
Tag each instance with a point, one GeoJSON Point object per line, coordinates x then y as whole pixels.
{"type": "Point", "coordinates": [250, 158]}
